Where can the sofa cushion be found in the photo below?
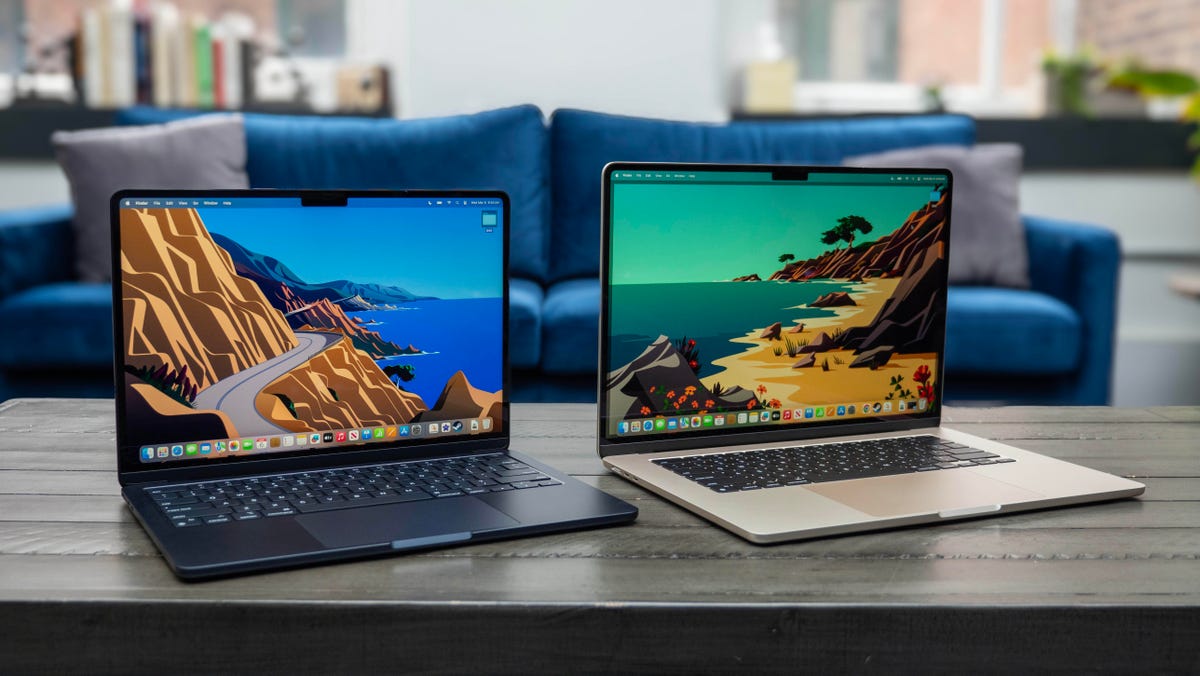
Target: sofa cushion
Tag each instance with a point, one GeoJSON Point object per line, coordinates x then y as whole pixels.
{"type": "Point", "coordinates": [583, 142]}
{"type": "Point", "coordinates": [504, 149]}
{"type": "Point", "coordinates": [57, 326]}
{"type": "Point", "coordinates": [570, 321]}
{"type": "Point", "coordinates": [204, 153]}
{"type": "Point", "coordinates": [987, 237]}
{"type": "Point", "coordinates": [524, 323]}
{"type": "Point", "coordinates": [1009, 331]}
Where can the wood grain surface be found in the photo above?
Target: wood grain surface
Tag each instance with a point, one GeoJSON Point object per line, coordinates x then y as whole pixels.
{"type": "Point", "coordinates": [1107, 587]}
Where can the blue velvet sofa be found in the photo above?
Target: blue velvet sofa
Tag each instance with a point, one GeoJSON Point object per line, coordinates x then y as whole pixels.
{"type": "Point", "coordinates": [1048, 345]}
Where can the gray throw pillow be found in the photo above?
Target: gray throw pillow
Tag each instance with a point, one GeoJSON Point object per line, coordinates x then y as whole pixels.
{"type": "Point", "coordinates": [207, 152]}
{"type": "Point", "coordinates": [987, 237]}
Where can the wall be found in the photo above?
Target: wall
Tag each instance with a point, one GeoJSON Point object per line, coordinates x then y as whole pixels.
{"type": "Point", "coordinates": [639, 58]}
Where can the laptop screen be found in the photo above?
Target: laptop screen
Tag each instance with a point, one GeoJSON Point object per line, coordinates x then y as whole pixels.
{"type": "Point", "coordinates": [252, 324]}
{"type": "Point", "coordinates": [750, 299]}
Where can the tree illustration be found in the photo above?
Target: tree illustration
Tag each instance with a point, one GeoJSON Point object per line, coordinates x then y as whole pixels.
{"type": "Point", "coordinates": [787, 257]}
{"type": "Point", "coordinates": [845, 229]}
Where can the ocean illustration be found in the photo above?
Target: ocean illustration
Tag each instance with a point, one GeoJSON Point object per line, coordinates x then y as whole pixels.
{"type": "Point", "coordinates": [229, 333]}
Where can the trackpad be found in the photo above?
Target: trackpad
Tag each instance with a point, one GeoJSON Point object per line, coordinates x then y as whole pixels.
{"type": "Point", "coordinates": [923, 493]}
{"type": "Point", "coordinates": [428, 522]}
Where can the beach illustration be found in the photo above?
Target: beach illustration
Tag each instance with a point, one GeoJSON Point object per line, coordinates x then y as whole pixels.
{"type": "Point", "coordinates": [855, 318]}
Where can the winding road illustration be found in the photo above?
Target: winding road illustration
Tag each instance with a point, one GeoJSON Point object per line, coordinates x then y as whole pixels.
{"type": "Point", "coordinates": [234, 396]}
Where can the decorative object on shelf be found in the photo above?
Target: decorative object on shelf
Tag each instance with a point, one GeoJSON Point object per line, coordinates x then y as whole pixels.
{"type": "Point", "coordinates": [933, 98]}
{"type": "Point", "coordinates": [768, 80]}
{"type": "Point", "coordinates": [1066, 83]}
{"type": "Point", "coordinates": [38, 76]}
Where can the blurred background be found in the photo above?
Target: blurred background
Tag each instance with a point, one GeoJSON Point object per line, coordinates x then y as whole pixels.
{"type": "Point", "coordinates": [1101, 94]}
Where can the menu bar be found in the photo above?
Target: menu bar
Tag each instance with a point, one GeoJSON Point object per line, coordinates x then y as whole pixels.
{"type": "Point", "coordinates": [294, 202]}
{"type": "Point", "coordinates": [766, 178]}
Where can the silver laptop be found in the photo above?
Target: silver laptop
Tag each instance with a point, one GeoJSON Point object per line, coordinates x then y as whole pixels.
{"type": "Point", "coordinates": [772, 343]}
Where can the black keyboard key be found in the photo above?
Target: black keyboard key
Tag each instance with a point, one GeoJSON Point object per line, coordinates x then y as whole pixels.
{"type": "Point", "coordinates": [319, 506]}
{"type": "Point", "coordinates": [524, 477]}
{"type": "Point", "coordinates": [257, 497]}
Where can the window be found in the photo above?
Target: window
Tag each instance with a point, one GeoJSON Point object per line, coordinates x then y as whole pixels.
{"type": "Point", "coordinates": [977, 55]}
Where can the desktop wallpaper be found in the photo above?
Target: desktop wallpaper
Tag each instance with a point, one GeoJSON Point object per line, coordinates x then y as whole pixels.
{"type": "Point", "coordinates": [236, 326]}
{"type": "Point", "coordinates": [762, 298]}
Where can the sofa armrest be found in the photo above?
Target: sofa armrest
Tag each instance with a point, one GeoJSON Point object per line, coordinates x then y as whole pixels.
{"type": "Point", "coordinates": [1079, 264]}
{"type": "Point", "coordinates": [36, 247]}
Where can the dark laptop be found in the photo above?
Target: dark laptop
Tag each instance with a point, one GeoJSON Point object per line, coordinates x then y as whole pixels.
{"type": "Point", "coordinates": [772, 345]}
{"type": "Point", "coordinates": [312, 376]}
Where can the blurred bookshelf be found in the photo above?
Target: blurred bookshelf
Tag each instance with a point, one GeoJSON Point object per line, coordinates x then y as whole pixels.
{"type": "Point", "coordinates": [69, 64]}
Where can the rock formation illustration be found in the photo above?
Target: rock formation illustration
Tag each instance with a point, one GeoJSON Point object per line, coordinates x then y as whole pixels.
{"type": "Point", "coordinates": [655, 382]}
{"type": "Point", "coordinates": [340, 387]}
{"type": "Point", "coordinates": [184, 303]}
{"type": "Point", "coordinates": [460, 399]}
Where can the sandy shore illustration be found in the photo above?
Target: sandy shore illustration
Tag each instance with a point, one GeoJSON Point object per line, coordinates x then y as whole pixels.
{"type": "Point", "coordinates": [830, 379]}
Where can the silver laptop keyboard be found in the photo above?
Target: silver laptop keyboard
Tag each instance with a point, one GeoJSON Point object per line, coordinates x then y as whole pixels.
{"type": "Point", "coordinates": [226, 501]}
{"type": "Point", "coordinates": [795, 466]}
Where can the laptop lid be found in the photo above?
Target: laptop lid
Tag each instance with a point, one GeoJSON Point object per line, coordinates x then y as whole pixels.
{"type": "Point", "coordinates": [273, 330]}
{"type": "Point", "coordinates": [750, 304]}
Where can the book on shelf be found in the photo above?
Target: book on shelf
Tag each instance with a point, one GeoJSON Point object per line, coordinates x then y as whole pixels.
{"type": "Point", "coordinates": [160, 57]}
{"type": "Point", "coordinates": [202, 44]}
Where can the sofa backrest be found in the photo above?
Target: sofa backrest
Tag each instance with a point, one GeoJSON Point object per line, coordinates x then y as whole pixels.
{"type": "Point", "coordinates": [504, 149]}
{"type": "Point", "coordinates": [582, 142]}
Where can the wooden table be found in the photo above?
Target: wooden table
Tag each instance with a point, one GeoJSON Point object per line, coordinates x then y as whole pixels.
{"type": "Point", "coordinates": [1106, 587]}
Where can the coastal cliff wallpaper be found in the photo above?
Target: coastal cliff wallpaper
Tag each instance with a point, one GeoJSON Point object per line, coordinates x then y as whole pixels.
{"type": "Point", "coordinates": [238, 325]}
{"type": "Point", "coordinates": [752, 298]}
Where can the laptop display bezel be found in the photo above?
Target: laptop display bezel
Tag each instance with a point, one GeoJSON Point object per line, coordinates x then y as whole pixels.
{"type": "Point", "coordinates": [767, 434]}
{"type": "Point", "coordinates": [131, 470]}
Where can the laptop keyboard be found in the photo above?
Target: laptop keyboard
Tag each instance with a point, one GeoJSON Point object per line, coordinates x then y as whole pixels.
{"type": "Point", "coordinates": [775, 467]}
{"type": "Point", "coordinates": [226, 501]}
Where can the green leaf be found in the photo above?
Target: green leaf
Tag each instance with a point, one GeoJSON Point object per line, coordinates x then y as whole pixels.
{"type": "Point", "coordinates": [1191, 111]}
{"type": "Point", "coordinates": [1155, 82]}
